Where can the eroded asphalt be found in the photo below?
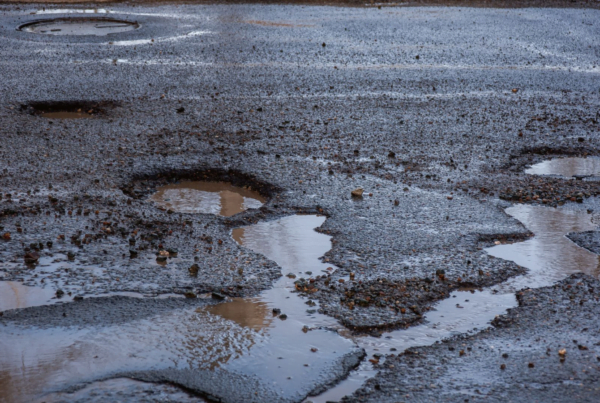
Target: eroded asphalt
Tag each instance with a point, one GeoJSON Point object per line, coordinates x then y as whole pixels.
{"type": "Point", "coordinates": [434, 112]}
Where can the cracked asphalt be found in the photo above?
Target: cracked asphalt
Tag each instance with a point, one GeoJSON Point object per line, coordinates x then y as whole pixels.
{"type": "Point", "coordinates": [434, 111]}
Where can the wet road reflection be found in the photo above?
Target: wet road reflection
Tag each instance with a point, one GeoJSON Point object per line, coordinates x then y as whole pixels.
{"type": "Point", "coordinates": [568, 167]}
{"type": "Point", "coordinates": [207, 197]}
{"type": "Point", "coordinates": [549, 256]}
{"type": "Point", "coordinates": [15, 295]}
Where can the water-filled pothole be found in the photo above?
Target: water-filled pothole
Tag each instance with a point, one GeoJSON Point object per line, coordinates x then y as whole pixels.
{"type": "Point", "coordinates": [259, 337]}
{"type": "Point", "coordinates": [218, 198]}
{"type": "Point", "coordinates": [567, 167]}
{"type": "Point", "coordinates": [263, 337]}
{"type": "Point", "coordinates": [79, 26]}
{"type": "Point", "coordinates": [67, 109]}
{"type": "Point", "coordinates": [549, 256]}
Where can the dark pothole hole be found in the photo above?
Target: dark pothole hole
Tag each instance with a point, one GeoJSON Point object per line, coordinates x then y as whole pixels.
{"type": "Point", "coordinates": [68, 109]}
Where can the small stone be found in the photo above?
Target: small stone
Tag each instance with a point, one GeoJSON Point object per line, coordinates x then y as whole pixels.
{"type": "Point", "coordinates": [276, 311]}
{"type": "Point", "coordinates": [6, 236]}
{"type": "Point", "coordinates": [133, 253]}
{"type": "Point", "coordinates": [503, 367]}
{"type": "Point", "coordinates": [314, 350]}
{"type": "Point", "coordinates": [59, 293]}
{"type": "Point", "coordinates": [562, 352]}
{"type": "Point", "coordinates": [190, 294]}
{"type": "Point", "coordinates": [531, 365]}
{"type": "Point", "coordinates": [218, 296]}
{"type": "Point", "coordinates": [357, 192]}
{"type": "Point", "coordinates": [283, 316]}
{"type": "Point", "coordinates": [31, 257]}
{"type": "Point", "coordinates": [193, 270]}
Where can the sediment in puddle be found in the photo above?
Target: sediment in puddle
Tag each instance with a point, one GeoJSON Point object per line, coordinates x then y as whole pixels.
{"type": "Point", "coordinates": [218, 198]}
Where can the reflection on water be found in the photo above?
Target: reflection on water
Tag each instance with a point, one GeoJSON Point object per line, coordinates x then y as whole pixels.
{"type": "Point", "coordinates": [241, 335]}
{"type": "Point", "coordinates": [207, 197]}
{"type": "Point", "coordinates": [550, 256]}
{"type": "Point", "coordinates": [244, 335]}
{"type": "Point", "coordinates": [246, 312]}
{"type": "Point", "coordinates": [37, 360]}
{"type": "Point", "coordinates": [15, 295]}
{"type": "Point", "coordinates": [572, 166]}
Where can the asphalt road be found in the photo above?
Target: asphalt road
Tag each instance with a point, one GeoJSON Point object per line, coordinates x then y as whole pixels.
{"type": "Point", "coordinates": [434, 112]}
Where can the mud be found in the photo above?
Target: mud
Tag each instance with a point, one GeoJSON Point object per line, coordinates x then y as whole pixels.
{"type": "Point", "coordinates": [304, 115]}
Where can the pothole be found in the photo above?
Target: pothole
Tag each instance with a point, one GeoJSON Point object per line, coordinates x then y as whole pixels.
{"type": "Point", "coordinates": [220, 198]}
{"type": "Point", "coordinates": [549, 256]}
{"type": "Point", "coordinates": [79, 26]}
{"type": "Point", "coordinates": [67, 109]}
{"type": "Point", "coordinates": [274, 338]}
{"type": "Point", "coordinates": [567, 167]}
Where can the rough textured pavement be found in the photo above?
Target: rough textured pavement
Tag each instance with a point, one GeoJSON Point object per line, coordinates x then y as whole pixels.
{"type": "Point", "coordinates": [546, 350]}
{"type": "Point", "coordinates": [434, 111]}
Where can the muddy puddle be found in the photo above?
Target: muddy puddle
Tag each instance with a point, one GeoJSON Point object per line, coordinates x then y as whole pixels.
{"type": "Point", "coordinates": [79, 26]}
{"type": "Point", "coordinates": [66, 115]}
{"type": "Point", "coordinates": [260, 337]}
{"type": "Point", "coordinates": [218, 198]}
{"type": "Point", "coordinates": [567, 167]}
{"type": "Point", "coordinates": [549, 257]}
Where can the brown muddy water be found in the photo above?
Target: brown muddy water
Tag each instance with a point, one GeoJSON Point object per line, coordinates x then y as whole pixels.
{"type": "Point", "coordinates": [218, 198]}
{"type": "Point", "coordinates": [262, 336]}
{"type": "Point", "coordinates": [567, 167]}
{"type": "Point", "coordinates": [66, 115]}
{"type": "Point", "coordinates": [79, 26]}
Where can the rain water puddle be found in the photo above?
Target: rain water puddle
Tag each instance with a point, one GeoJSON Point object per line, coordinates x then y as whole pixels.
{"type": "Point", "coordinates": [243, 336]}
{"type": "Point", "coordinates": [549, 256]}
{"type": "Point", "coordinates": [567, 167]}
{"type": "Point", "coordinates": [276, 336]}
{"type": "Point", "coordinates": [79, 26]}
{"type": "Point", "coordinates": [218, 198]}
{"type": "Point", "coordinates": [15, 295]}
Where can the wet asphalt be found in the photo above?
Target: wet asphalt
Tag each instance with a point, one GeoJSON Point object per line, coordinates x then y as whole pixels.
{"type": "Point", "coordinates": [434, 112]}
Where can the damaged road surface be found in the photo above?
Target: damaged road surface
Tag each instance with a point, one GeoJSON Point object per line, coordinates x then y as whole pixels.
{"type": "Point", "coordinates": [251, 203]}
